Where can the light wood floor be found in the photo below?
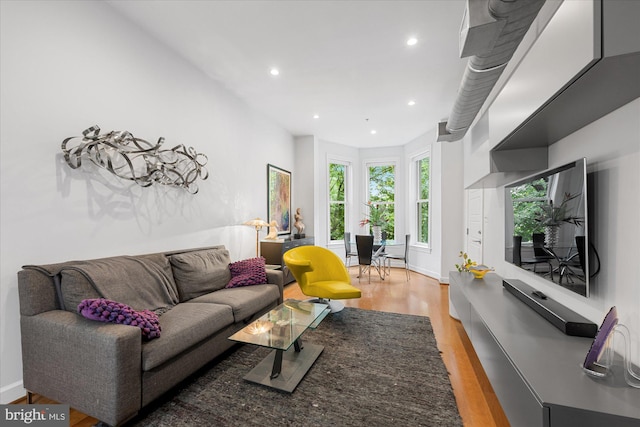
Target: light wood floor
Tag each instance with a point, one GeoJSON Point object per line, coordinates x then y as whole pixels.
{"type": "Point", "coordinates": [424, 296]}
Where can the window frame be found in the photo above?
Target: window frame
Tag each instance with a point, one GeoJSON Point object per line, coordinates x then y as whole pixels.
{"type": "Point", "coordinates": [347, 195]}
{"type": "Point", "coordinates": [528, 199]}
{"type": "Point", "coordinates": [416, 191]}
{"type": "Point", "coordinates": [368, 165]}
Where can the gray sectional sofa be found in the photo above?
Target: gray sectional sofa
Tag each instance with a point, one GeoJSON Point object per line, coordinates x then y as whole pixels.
{"type": "Point", "coordinates": [108, 370]}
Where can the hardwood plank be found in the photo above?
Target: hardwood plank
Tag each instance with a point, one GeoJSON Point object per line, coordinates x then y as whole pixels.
{"type": "Point", "coordinates": [423, 296]}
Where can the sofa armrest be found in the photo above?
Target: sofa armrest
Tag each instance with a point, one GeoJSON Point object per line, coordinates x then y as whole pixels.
{"type": "Point", "coordinates": [92, 366]}
{"type": "Point", "coordinates": [277, 278]}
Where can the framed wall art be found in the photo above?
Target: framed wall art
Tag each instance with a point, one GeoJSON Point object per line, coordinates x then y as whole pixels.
{"type": "Point", "coordinates": [279, 198]}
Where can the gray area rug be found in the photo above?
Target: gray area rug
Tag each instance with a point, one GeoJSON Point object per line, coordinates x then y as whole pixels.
{"type": "Point", "coordinates": [377, 369]}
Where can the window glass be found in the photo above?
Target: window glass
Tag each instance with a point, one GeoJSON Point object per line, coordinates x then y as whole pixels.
{"type": "Point", "coordinates": [337, 200]}
{"type": "Point", "coordinates": [422, 199]}
{"type": "Point", "coordinates": [382, 195]}
{"type": "Point", "coordinates": [528, 200]}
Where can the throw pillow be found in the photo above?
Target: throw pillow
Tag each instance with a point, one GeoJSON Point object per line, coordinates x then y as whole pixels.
{"type": "Point", "coordinates": [200, 272]}
{"type": "Point", "coordinates": [247, 272]}
{"type": "Point", "coordinates": [104, 310]}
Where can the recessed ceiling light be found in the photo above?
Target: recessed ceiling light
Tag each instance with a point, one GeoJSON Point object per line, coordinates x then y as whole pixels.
{"type": "Point", "coordinates": [315, 116]}
{"type": "Point", "coordinates": [412, 41]}
{"type": "Point", "coordinates": [373, 132]}
{"type": "Point", "coordinates": [411, 103]}
{"type": "Point", "coordinates": [274, 71]}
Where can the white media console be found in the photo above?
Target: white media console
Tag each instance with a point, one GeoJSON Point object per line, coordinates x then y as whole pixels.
{"type": "Point", "coordinates": [534, 367]}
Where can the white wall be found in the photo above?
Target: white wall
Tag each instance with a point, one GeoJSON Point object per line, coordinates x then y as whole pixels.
{"type": "Point", "coordinates": [330, 152]}
{"type": "Point", "coordinates": [446, 207]}
{"type": "Point", "coordinates": [452, 224]}
{"type": "Point", "coordinates": [68, 65]}
{"type": "Point", "coordinates": [428, 260]}
{"type": "Point", "coordinates": [303, 178]}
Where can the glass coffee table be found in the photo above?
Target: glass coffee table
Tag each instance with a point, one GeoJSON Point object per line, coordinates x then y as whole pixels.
{"type": "Point", "coordinates": [281, 329]}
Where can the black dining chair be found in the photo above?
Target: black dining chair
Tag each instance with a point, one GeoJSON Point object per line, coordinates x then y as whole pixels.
{"type": "Point", "coordinates": [366, 256]}
{"type": "Point", "coordinates": [539, 252]}
{"type": "Point", "coordinates": [540, 255]}
{"type": "Point", "coordinates": [404, 258]}
{"type": "Point", "coordinates": [348, 253]}
{"type": "Point", "coordinates": [579, 260]}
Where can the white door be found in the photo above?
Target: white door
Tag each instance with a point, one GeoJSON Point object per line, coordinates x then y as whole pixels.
{"type": "Point", "coordinates": [474, 224]}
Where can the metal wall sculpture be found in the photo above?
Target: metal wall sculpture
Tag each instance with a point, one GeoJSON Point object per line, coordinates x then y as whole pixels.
{"type": "Point", "coordinates": [137, 160]}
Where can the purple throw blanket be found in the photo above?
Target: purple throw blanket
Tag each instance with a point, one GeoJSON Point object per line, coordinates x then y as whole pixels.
{"type": "Point", "coordinates": [104, 310]}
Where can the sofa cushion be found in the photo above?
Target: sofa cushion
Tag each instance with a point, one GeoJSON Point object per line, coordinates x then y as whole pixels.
{"type": "Point", "coordinates": [247, 272]}
{"type": "Point", "coordinates": [245, 301]}
{"type": "Point", "coordinates": [182, 327]}
{"type": "Point", "coordinates": [200, 272]}
{"type": "Point", "coordinates": [142, 282]}
{"type": "Point", "coordinates": [104, 310]}
{"type": "Point", "coordinates": [76, 287]}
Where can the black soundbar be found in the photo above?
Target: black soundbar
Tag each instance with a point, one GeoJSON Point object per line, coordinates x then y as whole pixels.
{"type": "Point", "coordinates": [568, 321]}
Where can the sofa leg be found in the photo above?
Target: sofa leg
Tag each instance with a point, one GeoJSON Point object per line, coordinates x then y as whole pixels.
{"type": "Point", "coordinates": [29, 397]}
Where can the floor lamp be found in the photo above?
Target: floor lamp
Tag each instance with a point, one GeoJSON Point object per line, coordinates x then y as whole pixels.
{"type": "Point", "coordinates": [258, 224]}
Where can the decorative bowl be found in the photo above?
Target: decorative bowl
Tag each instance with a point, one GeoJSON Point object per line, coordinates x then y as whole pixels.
{"type": "Point", "coordinates": [479, 271]}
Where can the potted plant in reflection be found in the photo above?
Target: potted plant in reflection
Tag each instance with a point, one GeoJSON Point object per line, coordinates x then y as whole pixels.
{"type": "Point", "coordinates": [553, 216]}
{"type": "Point", "coordinates": [377, 218]}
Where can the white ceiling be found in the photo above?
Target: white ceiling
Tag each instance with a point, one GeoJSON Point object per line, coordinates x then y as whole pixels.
{"type": "Point", "coordinates": [346, 61]}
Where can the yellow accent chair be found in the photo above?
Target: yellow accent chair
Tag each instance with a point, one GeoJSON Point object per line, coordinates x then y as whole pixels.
{"type": "Point", "coordinates": [320, 273]}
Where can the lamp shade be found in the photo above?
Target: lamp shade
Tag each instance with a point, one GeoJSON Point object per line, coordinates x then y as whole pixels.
{"type": "Point", "coordinates": [257, 223]}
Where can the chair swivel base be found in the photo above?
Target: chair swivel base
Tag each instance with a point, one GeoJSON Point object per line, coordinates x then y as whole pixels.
{"type": "Point", "coordinates": [334, 305]}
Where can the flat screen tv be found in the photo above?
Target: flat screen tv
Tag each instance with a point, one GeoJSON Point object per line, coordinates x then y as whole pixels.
{"type": "Point", "coordinates": [546, 225]}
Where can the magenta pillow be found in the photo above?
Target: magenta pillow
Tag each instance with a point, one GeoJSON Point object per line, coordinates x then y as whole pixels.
{"type": "Point", "coordinates": [104, 310]}
{"type": "Point", "coordinates": [247, 272]}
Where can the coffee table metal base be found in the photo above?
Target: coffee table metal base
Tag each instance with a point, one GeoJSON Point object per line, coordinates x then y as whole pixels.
{"type": "Point", "coordinates": [295, 364]}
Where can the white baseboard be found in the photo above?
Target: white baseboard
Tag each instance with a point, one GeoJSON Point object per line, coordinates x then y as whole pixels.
{"type": "Point", "coordinates": [433, 274]}
{"type": "Point", "coordinates": [12, 392]}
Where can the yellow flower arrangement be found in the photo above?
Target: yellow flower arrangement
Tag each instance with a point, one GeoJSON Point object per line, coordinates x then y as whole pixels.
{"type": "Point", "coordinates": [472, 267]}
{"type": "Point", "coordinates": [467, 263]}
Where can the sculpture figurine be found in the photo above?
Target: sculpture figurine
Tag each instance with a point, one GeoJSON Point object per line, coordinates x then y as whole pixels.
{"type": "Point", "coordinates": [299, 225]}
{"type": "Point", "coordinates": [273, 231]}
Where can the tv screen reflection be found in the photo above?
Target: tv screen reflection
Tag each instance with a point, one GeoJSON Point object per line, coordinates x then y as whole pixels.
{"type": "Point", "coordinates": [546, 226]}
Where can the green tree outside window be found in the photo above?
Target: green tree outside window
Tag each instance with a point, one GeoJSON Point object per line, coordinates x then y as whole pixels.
{"type": "Point", "coordinates": [527, 201]}
{"type": "Point", "coordinates": [423, 176]}
{"type": "Point", "coordinates": [337, 200]}
{"type": "Point", "coordinates": [382, 192]}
